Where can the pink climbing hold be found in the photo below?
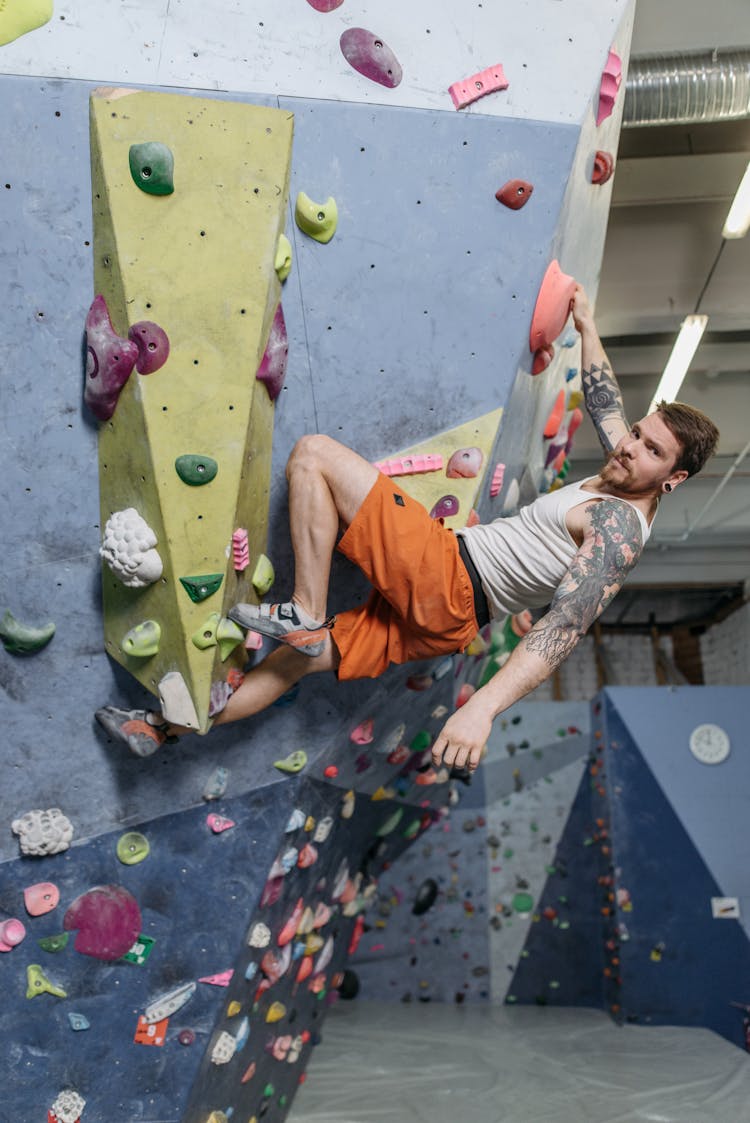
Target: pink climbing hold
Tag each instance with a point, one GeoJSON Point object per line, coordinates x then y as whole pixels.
{"type": "Point", "coordinates": [604, 165]}
{"type": "Point", "coordinates": [363, 733]}
{"type": "Point", "coordinates": [325, 5]}
{"type": "Point", "coordinates": [240, 550]}
{"type": "Point", "coordinates": [153, 346]}
{"type": "Point", "coordinates": [218, 823]}
{"type": "Point", "coordinates": [410, 465]}
{"type": "Point", "coordinates": [271, 891]}
{"type": "Point", "coordinates": [610, 84]}
{"type": "Point", "coordinates": [223, 979]}
{"type": "Point", "coordinates": [12, 932]}
{"type": "Point", "coordinates": [41, 898]}
{"type": "Point", "coordinates": [370, 57]}
{"type": "Point", "coordinates": [497, 480]}
{"type": "Point", "coordinates": [542, 359]}
{"type": "Point", "coordinates": [514, 194]}
{"type": "Point", "coordinates": [253, 641]}
{"type": "Point", "coordinates": [465, 463]}
{"type": "Point", "coordinates": [272, 369]}
{"type": "Point", "coordinates": [445, 508]}
{"type": "Point", "coordinates": [487, 81]}
{"type": "Point", "coordinates": [109, 361]}
{"type": "Point", "coordinates": [552, 307]}
{"type": "Point", "coordinates": [107, 919]}
{"type": "Point", "coordinates": [289, 930]}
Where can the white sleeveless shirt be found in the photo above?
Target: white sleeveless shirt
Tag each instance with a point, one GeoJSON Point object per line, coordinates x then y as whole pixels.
{"type": "Point", "coordinates": [522, 559]}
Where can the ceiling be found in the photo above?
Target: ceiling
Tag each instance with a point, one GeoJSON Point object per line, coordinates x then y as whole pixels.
{"type": "Point", "coordinates": [664, 259]}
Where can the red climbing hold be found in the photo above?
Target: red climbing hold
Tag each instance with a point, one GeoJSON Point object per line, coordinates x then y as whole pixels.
{"type": "Point", "coordinates": [552, 307]}
{"type": "Point", "coordinates": [330, 771]}
{"type": "Point", "coordinates": [107, 919]}
{"type": "Point", "coordinates": [325, 5]}
{"type": "Point", "coordinates": [604, 165]}
{"type": "Point", "coordinates": [556, 415]}
{"type": "Point", "coordinates": [542, 359]}
{"type": "Point", "coordinates": [514, 194]}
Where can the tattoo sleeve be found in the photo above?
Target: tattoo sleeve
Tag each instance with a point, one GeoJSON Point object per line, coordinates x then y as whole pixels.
{"type": "Point", "coordinates": [604, 402]}
{"type": "Point", "coordinates": [611, 547]}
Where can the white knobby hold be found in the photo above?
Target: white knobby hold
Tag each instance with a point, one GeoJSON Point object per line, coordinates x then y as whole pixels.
{"type": "Point", "coordinates": [224, 1049]}
{"type": "Point", "coordinates": [68, 1106]}
{"type": "Point", "coordinates": [43, 832]}
{"type": "Point", "coordinates": [128, 549]}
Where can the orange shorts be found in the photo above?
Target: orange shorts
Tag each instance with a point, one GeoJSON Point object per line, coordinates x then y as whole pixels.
{"type": "Point", "coordinates": [422, 603]}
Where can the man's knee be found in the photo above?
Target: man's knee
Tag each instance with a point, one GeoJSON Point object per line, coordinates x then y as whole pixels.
{"type": "Point", "coordinates": [311, 452]}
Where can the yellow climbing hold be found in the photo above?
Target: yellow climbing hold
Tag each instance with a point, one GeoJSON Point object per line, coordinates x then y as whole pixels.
{"type": "Point", "coordinates": [575, 399]}
{"type": "Point", "coordinates": [295, 762]}
{"type": "Point", "coordinates": [38, 983]}
{"type": "Point", "coordinates": [233, 1008]}
{"type": "Point", "coordinates": [382, 793]}
{"type": "Point", "coordinates": [263, 575]}
{"type": "Point", "coordinates": [205, 636]}
{"type": "Point", "coordinates": [229, 636]}
{"type": "Point", "coordinates": [217, 1117]}
{"type": "Point", "coordinates": [283, 260]}
{"type": "Point", "coordinates": [318, 220]}
{"type": "Point", "coordinates": [17, 17]}
{"type": "Point", "coordinates": [276, 1011]}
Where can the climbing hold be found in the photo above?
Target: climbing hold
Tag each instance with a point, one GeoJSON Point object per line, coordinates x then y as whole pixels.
{"type": "Point", "coordinates": [233, 1009]}
{"type": "Point", "coordinates": [222, 979]}
{"type": "Point", "coordinates": [552, 453]}
{"type": "Point", "coordinates": [426, 896]}
{"type": "Point", "coordinates": [240, 551]}
{"type": "Point", "coordinates": [229, 636]}
{"type": "Point", "coordinates": [370, 57]}
{"type": "Point", "coordinates": [523, 903]}
{"type": "Point", "coordinates": [552, 424]}
{"type": "Point", "coordinates": [552, 307]}
{"type": "Point", "coordinates": [272, 891]}
{"type": "Point", "coordinates": [471, 89]}
{"type": "Point", "coordinates": [348, 803]}
{"type": "Point", "coordinates": [410, 465]}
{"type": "Point", "coordinates": [12, 932]}
{"type": "Point", "coordinates": [512, 496]}
{"type": "Point", "coordinates": [276, 1011]}
{"type": "Point", "coordinates": [218, 823]}
{"type": "Point", "coordinates": [205, 636]}
{"type": "Point", "coordinates": [20, 639]}
{"type": "Point", "coordinates": [325, 5]}
{"type": "Point", "coordinates": [78, 1021]}
{"type": "Point", "coordinates": [295, 821]}
{"type": "Point", "coordinates": [107, 920]}
{"type": "Point", "coordinates": [41, 898]}
{"type": "Point", "coordinates": [325, 956]}
{"type": "Point", "coordinates": [426, 778]}
{"type": "Point", "coordinates": [248, 1074]}
{"type": "Point", "coordinates": [464, 694]}
{"type": "Point", "coordinates": [542, 359]}
{"type": "Point", "coordinates": [610, 84]}
{"type": "Point", "coordinates": [604, 166]}
{"type": "Point", "coordinates": [19, 18]}
{"type": "Point", "coordinates": [421, 741]}
{"type": "Point", "coordinates": [418, 682]}
{"type": "Point", "coordinates": [576, 418]}
{"type": "Point", "coordinates": [132, 848]}
{"type": "Point", "coordinates": [195, 469]}
{"type": "Point", "coordinates": [68, 1107]}
{"type": "Point", "coordinates": [216, 785]}
{"type": "Point", "coordinates": [152, 167]}
{"type": "Point", "coordinates": [109, 361]}
{"type": "Point", "coordinates": [152, 343]}
{"type": "Point", "coordinates": [143, 640]}
{"type": "Point", "coordinates": [54, 943]}
{"type": "Point", "coordinates": [272, 369]}
{"type": "Point", "coordinates": [243, 1029]}
{"type": "Point", "coordinates": [186, 1037]}
{"type": "Point", "coordinates": [224, 1048]}
{"type": "Point", "coordinates": [515, 193]}
{"type": "Point", "coordinates": [274, 966]}
{"type": "Point", "coordinates": [38, 983]}
{"type": "Point", "coordinates": [390, 823]}
{"type": "Point", "coordinates": [465, 463]}
{"type": "Point", "coordinates": [43, 832]}
{"type": "Point", "coordinates": [285, 863]}
{"type": "Point", "coordinates": [317, 220]}
{"type": "Point", "coordinates": [575, 399]}
{"type": "Point", "coordinates": [330, 771]}
{"type": "Point", "coordinates": [363, 733]}
{"type": "Point", "coordinates": [295, 762]}
{"type": "Point", "coordinates": [289, 930]}
{"type": "Point", "coordinates": [497, 480]}
{"type": "Point", "coordinates": [263, 575]}
{"type": "Point", "coordinates": [170, 1003]}
{"type": "Point", "coordinates": [175, 702]}
{"type": "Point", "coordinates": [571, 373]}
{"type": "Point", "coordinates": [445, 508]}
{"type": "Point", "coordinates": [362, 763]}
{"type": "Point", "coordinates": [128, 548]}
{"type": "Point", "coordinates": [283, 260]}
{"type": "Point", "coordinates": [200, 587]}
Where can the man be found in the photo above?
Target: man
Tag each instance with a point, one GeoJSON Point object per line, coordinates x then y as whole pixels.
{"type": "Point", "coordinates": [433, 590]}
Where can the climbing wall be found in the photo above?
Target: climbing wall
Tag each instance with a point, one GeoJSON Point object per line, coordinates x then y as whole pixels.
{"type": "Point", "coordinates": [409, 330]}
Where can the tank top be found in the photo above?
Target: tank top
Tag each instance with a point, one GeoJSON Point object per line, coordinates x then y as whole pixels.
{"type": "Point", "coordinates": [522, 559]}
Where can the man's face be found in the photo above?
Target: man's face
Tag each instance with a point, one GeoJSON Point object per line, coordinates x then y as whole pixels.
{"type": "Point", "coordinates": [644, 459]}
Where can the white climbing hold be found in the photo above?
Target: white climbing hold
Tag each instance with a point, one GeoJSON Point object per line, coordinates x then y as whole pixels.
{"type": "Point", "coordinates": [176, 704]}
{"type": "Point", "coordinates": [43, 832]}
{"type": "Point", "coordinates": [128, 549]}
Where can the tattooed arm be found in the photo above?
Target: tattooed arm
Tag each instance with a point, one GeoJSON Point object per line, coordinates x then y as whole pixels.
{"type": "Point", "coordinates": [600, 389]}
{"type": "Point", "coordinates": [612, 544]}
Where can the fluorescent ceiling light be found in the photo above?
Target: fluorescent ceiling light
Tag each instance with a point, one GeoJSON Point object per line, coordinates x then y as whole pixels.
{"type": "Point", "coordinates": [738, 219]}
{"type": "Point", "coordinates": [685, 347]}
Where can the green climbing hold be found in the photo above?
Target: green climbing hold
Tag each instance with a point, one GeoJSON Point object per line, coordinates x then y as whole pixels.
{"type": "Point", "coordinates": [263, 575]}
{"type": "Point", "coordinates": [202, 586]}
{"type": "Point", "coordinates": [152, 167]}
{"type": "Point", "coordinates": [421, 741]}
{"type": "Point", "coordinates": [38, 983]}
{"type": "Point", "coordinates": [132, 848]}
{"type": "Point", "coordinates": [143, 640]}
{"type": "Point", "coordinates": [54, 943]}
{"type": "Point", "coordinates": [523, 902]}
{"type": "Point", "coordinates": [20, 639]}
{"type": "Point", "coordinates": [283, 260]}
{"type": "Point", "coordinates": [508, 853]}
{"type": "Point", "coordinates": [390, 823]}
{"type": "Point", "coordinates": [194, 469]}
{"type": "Point", "coordinates": [140, 950]}
{"type": "Point", "coordinates": [268, 1090]}
{"type": "Point", "coordinates": [229, 636]}
{"type": "Point", "coordinates": [295, 762]}
{"type": "Point", "coordinates": [317, 220]}
{"type": "Point", "coordinates": [205, 636]}
{"type": "Point", "coordinates": [413, 829]}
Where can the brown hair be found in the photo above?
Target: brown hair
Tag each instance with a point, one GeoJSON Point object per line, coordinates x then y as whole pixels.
{"type": "Point", "coordinates": [696, 433]}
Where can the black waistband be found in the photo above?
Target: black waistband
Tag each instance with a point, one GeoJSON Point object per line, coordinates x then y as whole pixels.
{"type": "Point", "coordinates": [481, 608]}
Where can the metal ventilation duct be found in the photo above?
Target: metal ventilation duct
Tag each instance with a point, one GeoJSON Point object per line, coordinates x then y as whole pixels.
{"type": "Point", "coordinates": [685, 87]}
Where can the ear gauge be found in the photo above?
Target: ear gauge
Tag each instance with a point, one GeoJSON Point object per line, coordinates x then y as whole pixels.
{"type": "Point", "coordinates": [667, 487]}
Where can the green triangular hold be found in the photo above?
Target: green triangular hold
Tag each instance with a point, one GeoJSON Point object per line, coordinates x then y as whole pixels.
{"type": "Point", "coordinates": [54, 943]}
{"type": "Point", "coordinates": [201, 586]}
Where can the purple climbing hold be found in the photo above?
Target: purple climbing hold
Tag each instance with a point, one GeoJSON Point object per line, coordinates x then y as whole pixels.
{"type": "Point", "coordinates": [272, 369]}
{"type": "Point", "coordinates": [107, 919]}
{"type": "Point", "coordinates": [153, 346]}
{"type": "Point", "coordinates": [370, 56]}
{"type": "Point", "coordinates": [109, 361]}
{"type": "Point", "coordinates": [325, 5]}
{"type": "Point", "coordinates": [445, 508]}
{"type": "Point", "coordinates": [552, 453]}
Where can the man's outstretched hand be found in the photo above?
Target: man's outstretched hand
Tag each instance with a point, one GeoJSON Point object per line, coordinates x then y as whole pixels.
{"type": "Point", "coordinates": [461, 741]}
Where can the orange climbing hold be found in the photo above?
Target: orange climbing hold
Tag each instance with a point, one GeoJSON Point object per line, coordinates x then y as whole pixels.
{"type": "Point", "coordinates": [555, 417]}
{"type": "Point", "coordinates": [552, 307]}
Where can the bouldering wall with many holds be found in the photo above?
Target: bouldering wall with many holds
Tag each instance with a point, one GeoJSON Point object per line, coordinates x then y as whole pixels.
{"type": "Point", "coordinates": [409, 292]}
